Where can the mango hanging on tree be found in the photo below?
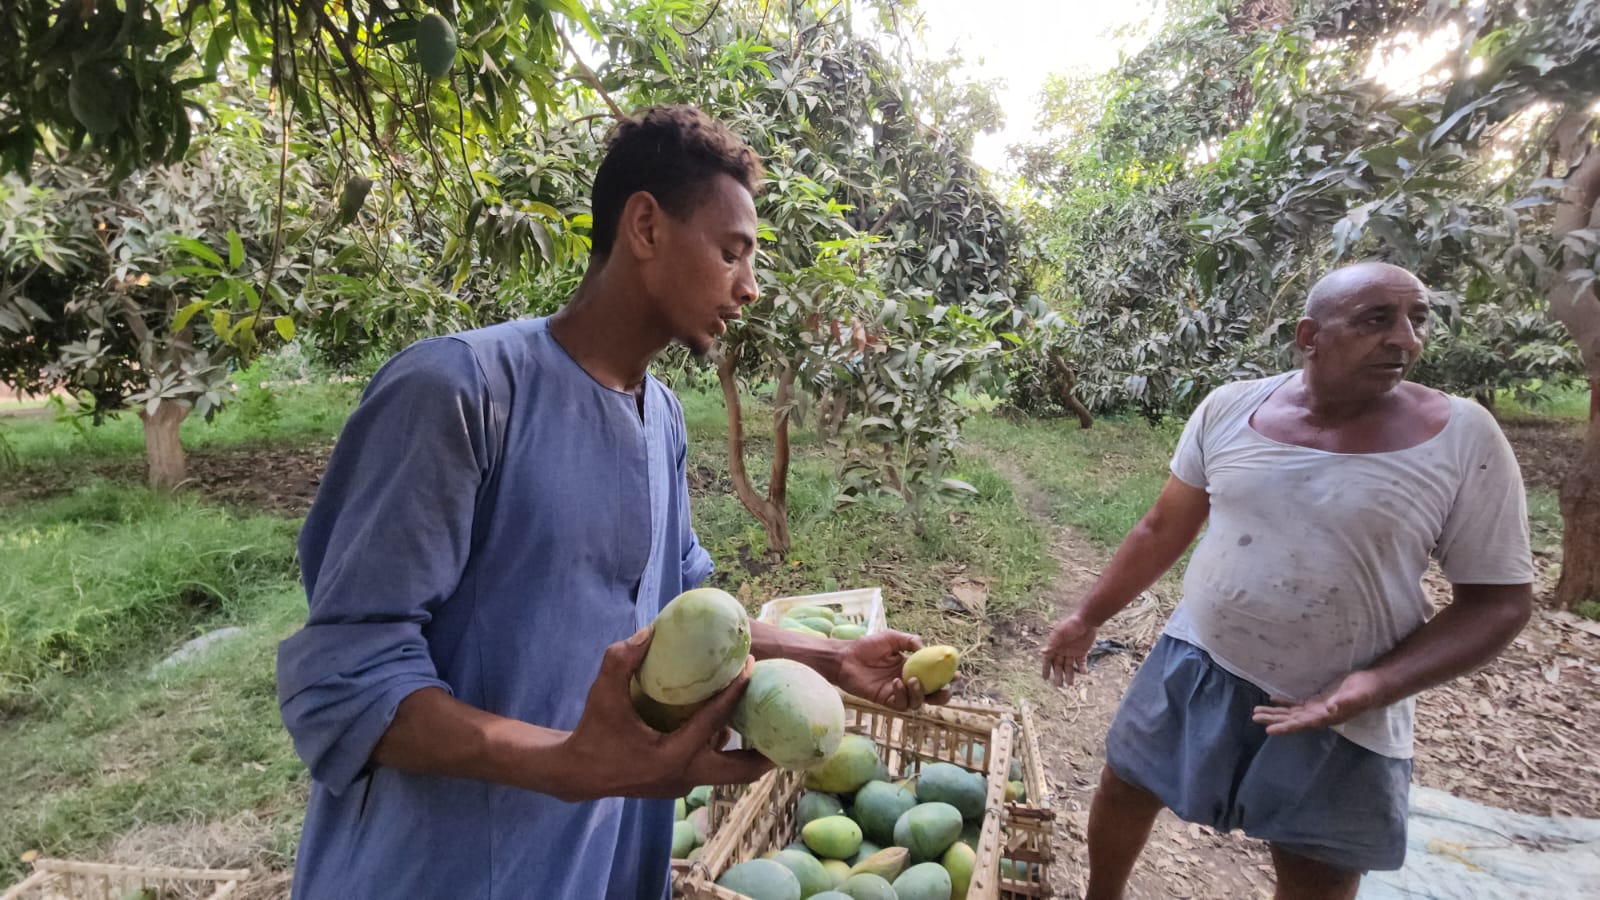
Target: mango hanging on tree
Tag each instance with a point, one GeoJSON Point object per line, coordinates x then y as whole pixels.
{"type": "Point", "coordinates": [436, 45]}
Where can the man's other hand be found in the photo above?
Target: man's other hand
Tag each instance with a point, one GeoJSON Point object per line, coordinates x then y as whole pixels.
{"type": "Point", "coordinates": [1351, 696]}
{"type": "Point", "coordinates": [1066, 654]}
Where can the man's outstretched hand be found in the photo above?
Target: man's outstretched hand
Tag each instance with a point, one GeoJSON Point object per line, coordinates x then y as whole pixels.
{"type": "Point", "coordinates": [1066, 654]}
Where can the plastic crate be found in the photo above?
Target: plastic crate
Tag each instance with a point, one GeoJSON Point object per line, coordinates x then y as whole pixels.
{"type": "Point", "coordinates": [862, 606]}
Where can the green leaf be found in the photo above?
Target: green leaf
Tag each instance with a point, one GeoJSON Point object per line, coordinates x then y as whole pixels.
{"type": "Point", "coordinates": [187, 313]}
{"type": "Point", "coordinates": [235, 250]}
{"type": "Point", "coordinates": [284, 326]}
{"type": "Point", "coordinates": [574, 10]}
{"type": "Point", "coordinates": [195, 248]}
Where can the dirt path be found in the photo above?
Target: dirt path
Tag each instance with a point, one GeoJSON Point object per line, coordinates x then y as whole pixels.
{"type": "Point", "coordinates": [1181, 860]}
{"type": "Point", "coordinates": [1516, 735]}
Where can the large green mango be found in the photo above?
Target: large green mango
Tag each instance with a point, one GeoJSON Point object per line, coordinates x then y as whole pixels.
{"type": "Point", "coordinates": [949, 783]}
{"type": "Point", "coordinates": [761, 879]}
{"type": "Point", "coordinates": [879, 805]}
{"type": "Point", "coordinates": [790, 714]}
{"type": "Point", "coordinates": [925, 881]}
{"type": "Point", "coordinates": [698, 644]}
{"type": "Point", "coordinates": [927, 830]}
{"type": "Point", "coordinates": [851, 765]}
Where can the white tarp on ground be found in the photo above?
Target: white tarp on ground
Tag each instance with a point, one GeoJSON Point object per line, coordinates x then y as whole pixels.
{"type": "Point", "coordinates": [1458, 850]}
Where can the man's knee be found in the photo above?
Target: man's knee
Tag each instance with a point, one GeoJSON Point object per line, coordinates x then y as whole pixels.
{"type": "Point", "coordinates": [1302, 878]}
{"type": "Point", "coordinates": [1124, 797]}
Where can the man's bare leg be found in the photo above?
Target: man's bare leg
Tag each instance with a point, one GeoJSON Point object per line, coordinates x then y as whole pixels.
{"type": "Point", "coordinates": [1120, 819]}
{"type": "Point", "coordinates": [1300, 878]}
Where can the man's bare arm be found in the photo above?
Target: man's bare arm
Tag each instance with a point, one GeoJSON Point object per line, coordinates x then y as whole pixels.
{"type": "Point", "coordinates": [1471, 631]}
{"type": "Point", "coordinates": [1149, 550]}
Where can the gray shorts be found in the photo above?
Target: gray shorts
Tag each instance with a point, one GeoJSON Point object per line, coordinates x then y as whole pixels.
{"type": "Point", "coordinates": [1184, 733]}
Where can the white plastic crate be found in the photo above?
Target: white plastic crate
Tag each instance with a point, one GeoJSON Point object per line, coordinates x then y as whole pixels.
{"type": "Point", "coordinates": [862, 606]}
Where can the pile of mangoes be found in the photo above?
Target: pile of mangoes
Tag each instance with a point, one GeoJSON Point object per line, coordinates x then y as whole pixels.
{"type": "Point", "coordinates": [865, 836]}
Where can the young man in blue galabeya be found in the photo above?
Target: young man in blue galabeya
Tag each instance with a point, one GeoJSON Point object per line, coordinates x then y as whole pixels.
{"type": "Point", "coordinates": [503, 516]}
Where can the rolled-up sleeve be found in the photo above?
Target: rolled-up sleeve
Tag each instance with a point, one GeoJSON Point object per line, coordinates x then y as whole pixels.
{"type": "Point", "coordinates": [384, 545]}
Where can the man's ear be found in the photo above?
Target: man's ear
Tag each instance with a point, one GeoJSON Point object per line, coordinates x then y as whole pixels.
{"type": "Point", "coordinates": [1305, 334]}
{"type": "Point", "coordinates": [640, 225]}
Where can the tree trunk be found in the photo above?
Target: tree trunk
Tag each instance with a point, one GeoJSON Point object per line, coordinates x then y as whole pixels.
{"type": "Point", "coordinates": [1579, 311]}
{"type": "Point", "coordinates": [1580, 516]}
{"type": "Point", "coordinates": [772, 510]}
{"type": "Point", "coordinates": [1069, 397]}
{"type": "Point", "coordinates": [162, 447]}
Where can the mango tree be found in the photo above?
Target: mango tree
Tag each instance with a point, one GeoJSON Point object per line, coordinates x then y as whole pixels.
{"type": "Point", "coordinates": [882, 251]}
{"type": "Point", "coordinates": [144, 293]}
{"type": "Point", "coordinates": [1209, 205]}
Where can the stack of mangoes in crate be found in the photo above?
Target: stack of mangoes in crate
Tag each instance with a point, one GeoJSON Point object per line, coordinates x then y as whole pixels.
{"type": "Point", "coordinates": [865, 836]}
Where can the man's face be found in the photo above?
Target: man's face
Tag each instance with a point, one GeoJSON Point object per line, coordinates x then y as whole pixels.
{"type": "Point", "coordinates": [703, 271]}
{"type": "Point", "coordinates": [1372, 336]}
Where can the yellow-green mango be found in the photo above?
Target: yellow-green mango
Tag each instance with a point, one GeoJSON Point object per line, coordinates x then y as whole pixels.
{"type": "Point", "coordinates": [934, 666]}
{"type": "Point", "coordinates": [790, 714]}
{"type": "Point", "coordinates": [683, 839]}
{"type": "Point", "coordinates": [838, 870]}
{"type": "Point", "coordinates": [833, 837]}
{"type": "Point", "coordinates": [1016, 792]}
{"type": "Point", "coordinates": [851, 764]}
{"type": "Point", "coordinates": [959, 861]}
{"type": "Point", "coordinates": [849, 632]}
{"type": "Point", "coordinates": [797, 628]}
{"type": "Point", "coordinates": [818, 624]}
{"type": "Point", "coordinates": [698, 644]}
{"type": "Point", "coordinates": [802, 612]}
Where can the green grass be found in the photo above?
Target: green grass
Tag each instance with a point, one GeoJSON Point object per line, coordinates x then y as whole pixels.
{"type": "Point", "coordinates": [1544, 518]}
{"type": "Point", "coordinates": [195, 746]}
{"type": "Point", "coordinates": [872, 542]}
{"type": "Point", "coordinates": [113, 571]}
{"type": "Point", "coordinates": [1546, 401]}
{"type": "Point", "coordinates": [287, 414]}
{"type": "Point", "coordinates": [1100, 480]}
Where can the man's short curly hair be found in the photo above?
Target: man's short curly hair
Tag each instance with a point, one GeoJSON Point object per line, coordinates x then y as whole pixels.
{"type": "Point", "coordinates": [671, 152]}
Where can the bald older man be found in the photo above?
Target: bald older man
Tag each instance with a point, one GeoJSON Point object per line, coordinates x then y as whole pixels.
{"type": "Point", "coordinates": [1279, 700]}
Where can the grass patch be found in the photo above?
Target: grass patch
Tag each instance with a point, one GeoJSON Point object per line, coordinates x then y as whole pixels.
{"type": "Point", "coordinates": [113, 571]}
{"type": "Point", "coordinates": [285, 414]}
{"type": "Point", "coordinates": [1570, 401]}
{"type": "Point", "coordinates": [1101, 480]}
{"type": "Point", "coordinates": [1544, 518]}
{"type": "Point", "coordinates": [869, 543]}
{"type": "Point", "coordinates": [110, 752]}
